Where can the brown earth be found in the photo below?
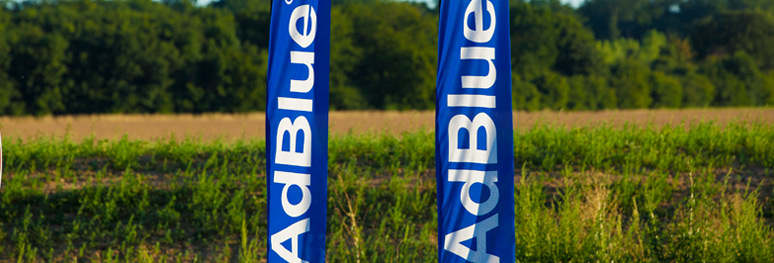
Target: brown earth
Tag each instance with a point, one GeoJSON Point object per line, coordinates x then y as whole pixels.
{"type": "Point", "coordinates": [235, 126]}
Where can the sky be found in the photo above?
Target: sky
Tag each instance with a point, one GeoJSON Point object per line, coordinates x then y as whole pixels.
{"type": "Point", "coordinates": [574, 3]}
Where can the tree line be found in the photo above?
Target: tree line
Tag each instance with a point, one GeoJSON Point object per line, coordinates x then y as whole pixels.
{"type": "Point", "coordinates": [142, 56]}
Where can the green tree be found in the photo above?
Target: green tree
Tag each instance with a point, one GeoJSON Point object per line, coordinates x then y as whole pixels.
{"type": "Point", "coordinates": [667, 91]}
{"type": "Point", "coordinates": [698, 91]}
{"type": "Point", "coordinates": [252, 17]}
{"type": "Point", "coordinates": [729, 32]}
{"type": "Point", "coordinates": [7, 91]}
{"type": "Point", "coordinates": [644, 52]}
{"type": "Point", "coordinates": [591, 93]}
{"type": "Point", "coordinates": [38, 68]}
{"type": "Point", "coordinates": [739, 82]}
{"type": "Point", "coordinates": [612, 19]}
{"type": "Point", "coordinates": [525, 94]}
{"type": "Point", "coordinates": [398, 44]}
{"type": "Point", "coordinates": [698, 9]}
{"type": "Point", "coordinates": [86, 56]}
{"type": "Point", "coordinates": [542, 39]}
{"type": "Point", "coordinates": [630, 79]}
{"type": "Point", "coordinates": [554, 90]}
{"type": "Point", "coordinates": [345, 55]}
{"type": "Point", "coordinates": [768, 89]}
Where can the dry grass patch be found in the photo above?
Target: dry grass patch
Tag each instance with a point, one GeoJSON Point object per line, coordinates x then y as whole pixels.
{"type": "Point", "coordinates": [246, 126]}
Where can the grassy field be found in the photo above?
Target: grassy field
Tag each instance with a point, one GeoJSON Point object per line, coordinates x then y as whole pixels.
{"type": "Point", "coordinates": [605, 193]}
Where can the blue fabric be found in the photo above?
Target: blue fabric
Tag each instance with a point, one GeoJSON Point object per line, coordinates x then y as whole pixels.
{"type": "Point", "coordinates": [474, 133]}
{"type": "Point", "coordinates": [297, 130]}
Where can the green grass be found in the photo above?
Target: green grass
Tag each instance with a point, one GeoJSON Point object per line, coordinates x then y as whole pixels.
{"type": "Point", "coordinates": [597, 194]}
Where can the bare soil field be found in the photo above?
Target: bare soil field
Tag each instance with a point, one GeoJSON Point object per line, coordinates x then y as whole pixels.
{"type": "Point", "coordinates": [246, 126]}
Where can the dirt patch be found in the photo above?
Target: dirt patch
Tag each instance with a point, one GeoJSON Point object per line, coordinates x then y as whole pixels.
{"type": "Point", "coordinates": [247, 126]}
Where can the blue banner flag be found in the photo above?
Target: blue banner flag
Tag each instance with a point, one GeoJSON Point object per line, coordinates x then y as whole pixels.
{"type": "Point", "coordinates": [297, 130]}
{"type": "Point", "coordinates": [474, 133]}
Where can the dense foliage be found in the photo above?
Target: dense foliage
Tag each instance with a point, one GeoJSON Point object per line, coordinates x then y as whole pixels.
{"type": "Point", "coordinates": [84, 56]}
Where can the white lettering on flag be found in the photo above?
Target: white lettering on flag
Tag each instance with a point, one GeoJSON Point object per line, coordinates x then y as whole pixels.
{"type": "Point", "coordinates": [471, 177]}
{"type": "Point", "coordinates": [291, 157]}
{"type": "Point", "coordinates": [472, 154]}
{"type": "Point", "coordinates": [302, 181]}
{"type": "Point", "coordinates": [292, 232]}
{"type": "Point", "coordinates": [453, 241]}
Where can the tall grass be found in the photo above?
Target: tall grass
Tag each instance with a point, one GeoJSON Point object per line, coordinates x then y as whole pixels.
{"type": "Point", "coordinates": [598, 194]}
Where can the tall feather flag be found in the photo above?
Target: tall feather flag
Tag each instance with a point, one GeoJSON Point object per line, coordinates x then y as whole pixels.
{"type": "Point", "coordinates": [474, 133]}
{"type": "Point", "coordinates": [297, 130]}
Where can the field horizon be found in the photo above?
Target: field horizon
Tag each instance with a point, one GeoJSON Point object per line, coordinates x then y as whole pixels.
{"type": "Point", "coordinates": [231, 127]}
